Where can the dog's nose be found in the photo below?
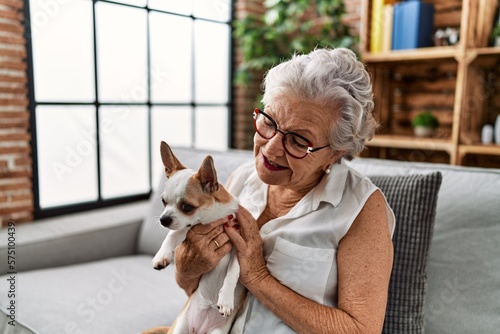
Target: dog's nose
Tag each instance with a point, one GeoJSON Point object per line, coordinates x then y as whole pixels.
{"type": "Point", "coordinates": [166, 220]}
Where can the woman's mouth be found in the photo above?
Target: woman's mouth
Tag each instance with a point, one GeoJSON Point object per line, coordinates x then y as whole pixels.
{"type": "Point", "coordinates": [271, 165]}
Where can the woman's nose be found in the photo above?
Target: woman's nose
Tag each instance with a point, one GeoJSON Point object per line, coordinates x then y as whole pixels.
{"type": "Point", "coordinates": [274, 145]}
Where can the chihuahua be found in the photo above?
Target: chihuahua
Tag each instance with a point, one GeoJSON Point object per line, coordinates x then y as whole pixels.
{"type": "Point", "coordinates": [195, 197]}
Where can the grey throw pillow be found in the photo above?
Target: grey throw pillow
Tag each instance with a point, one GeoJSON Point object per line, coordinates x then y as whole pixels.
{"type": "Point", "coordinates": [413, 199]}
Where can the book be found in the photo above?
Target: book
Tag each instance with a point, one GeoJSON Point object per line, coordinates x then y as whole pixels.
{"type": "Point", "coordinates": [377, 24]}
{"type": "Point", "coordinates": [387, 28]}
{"type": "Point", "coordinates": [413, 25]}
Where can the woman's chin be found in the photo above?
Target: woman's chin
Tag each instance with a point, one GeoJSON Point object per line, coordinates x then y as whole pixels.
{"type": "Point", "coordinates": [269, 174]}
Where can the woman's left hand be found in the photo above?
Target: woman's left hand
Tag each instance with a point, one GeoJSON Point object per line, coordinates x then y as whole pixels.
{"type": "Point", "coordinates": [249, 246]}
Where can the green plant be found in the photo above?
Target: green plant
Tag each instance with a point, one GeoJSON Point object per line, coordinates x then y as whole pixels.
{"type": "Point", "coordinates": [425, 119]}
{"type": "Point", "coordinates": [288, 27]}
{"type": "Point", "coordinates": [496, 31]}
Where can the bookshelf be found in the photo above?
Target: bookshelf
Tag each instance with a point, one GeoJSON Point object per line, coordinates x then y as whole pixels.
{"type": "Point", "coordinates": [460, 84]}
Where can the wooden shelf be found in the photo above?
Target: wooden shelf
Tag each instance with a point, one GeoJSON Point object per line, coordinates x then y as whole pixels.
{"type": "Point", "coordinates": [459, 84]}
{"type": "Point", "coordinates": [407, 142]}
{"type": "Point", "coordinates": [442, 52]}
{"type": "Point", "coordinates": [490, 149]}
{"type": "Point", "coordinates": [485, 53]}
{"type": "Point", "coordinates": [488, 51]}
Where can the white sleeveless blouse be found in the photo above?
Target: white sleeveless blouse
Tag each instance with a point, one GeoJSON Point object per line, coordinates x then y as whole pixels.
{"type": "Point", "coordinates": [301, 247]}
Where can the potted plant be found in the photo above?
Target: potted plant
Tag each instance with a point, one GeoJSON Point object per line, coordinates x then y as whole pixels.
{"type": "Point", "coordinates": [424, 124]}
{"type": "Point", "coordinates": [495, 34]}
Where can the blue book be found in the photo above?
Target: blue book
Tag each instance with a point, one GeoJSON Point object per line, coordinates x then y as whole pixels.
{"type": "Point", "coordinates": [413, 25]}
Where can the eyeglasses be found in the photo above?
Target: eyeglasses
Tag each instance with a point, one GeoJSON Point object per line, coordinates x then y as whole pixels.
{"type": "Point", "coordinates": [294, 144]}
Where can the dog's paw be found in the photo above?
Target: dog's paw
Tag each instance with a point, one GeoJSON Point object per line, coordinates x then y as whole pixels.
{"type": "Point", "coordinates": [160, 263]}
{"type": "Point", "coordinates": [225, 304]}
{"type": "Point", "coordinates": [225, 309]}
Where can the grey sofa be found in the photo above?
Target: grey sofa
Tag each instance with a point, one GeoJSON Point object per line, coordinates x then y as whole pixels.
{"type": "Point", "coordinates": [91, 272]}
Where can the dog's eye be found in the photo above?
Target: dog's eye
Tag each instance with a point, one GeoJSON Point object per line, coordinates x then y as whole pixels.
{"type": "Point", "coordinates": [164, 202]}
{"type": "Point", "coordinates": [186, 208]}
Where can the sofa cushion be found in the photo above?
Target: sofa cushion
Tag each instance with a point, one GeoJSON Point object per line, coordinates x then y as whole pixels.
{"type": "Point", "coordinates": [119, 295]}
{"type": "Point", "coordinates": [64, 240]}
{"type": "Point", "coordinates": [413, 199]}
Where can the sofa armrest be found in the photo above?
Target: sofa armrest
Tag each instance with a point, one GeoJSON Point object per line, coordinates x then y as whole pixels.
{"type": "Point", "coordinates": [75, 238]}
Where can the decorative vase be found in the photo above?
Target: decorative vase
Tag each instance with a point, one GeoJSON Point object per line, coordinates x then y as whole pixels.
{"type": "Point", "coordinates": [487, 134]}
{"type": "Point", "coordinates": [497, 130]}
{"type": "Point", "coordinates": [421, 131]}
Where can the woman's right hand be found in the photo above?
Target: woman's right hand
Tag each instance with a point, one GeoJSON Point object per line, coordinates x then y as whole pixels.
{"type": "Point", "coordinates": [249, 246]}
{"type": "Point", "coordinates": [201, 251]}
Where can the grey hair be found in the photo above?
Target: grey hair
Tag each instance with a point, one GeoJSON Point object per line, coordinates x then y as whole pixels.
{"type": "Point", "coordinates": [335, 80]}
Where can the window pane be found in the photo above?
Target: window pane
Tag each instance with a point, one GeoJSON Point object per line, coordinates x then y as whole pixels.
{"type": "Point", "coordinates": [218, 10]}
{"type": "Point", "coordinates": [123, 132]}
{"type": "Point", "coordinates": [67, 163]}
{"type": "Point", "coordinates": [63, 50]}
{"type": "Point", "coordinates": [171, 58]}
{"type": "Point", "coordinates": [172, 125]}
{"type": "Point", "coordinates": [211, 62]}
{"type": "Point", "coordinates": [211, 128]}
{"type": "Point", "coordinates": [140, 3]}
{"type": "Point", "coordinates": [122, 53]}
{"type": "Point", "coordinates": [173, 6]}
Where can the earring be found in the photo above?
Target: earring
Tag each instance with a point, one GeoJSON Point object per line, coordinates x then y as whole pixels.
{"type": "Point", "coordinates": [328, 170]}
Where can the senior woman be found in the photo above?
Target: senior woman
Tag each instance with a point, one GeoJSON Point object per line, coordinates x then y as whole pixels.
{"type": "Point", "coordinates": [314, 237]}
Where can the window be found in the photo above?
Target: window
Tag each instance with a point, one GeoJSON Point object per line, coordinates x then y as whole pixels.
{"type": "Point", "coordinates": [109, 81]}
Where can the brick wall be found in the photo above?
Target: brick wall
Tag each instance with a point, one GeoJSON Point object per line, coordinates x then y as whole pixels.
{"type": "Point", "coordinates": [244, 97]}
{"type": "Point", "coordinates": [16, 199]}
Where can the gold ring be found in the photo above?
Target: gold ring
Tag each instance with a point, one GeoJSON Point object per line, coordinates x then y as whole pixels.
{"type": "Point", "coordinates": [216, 243]}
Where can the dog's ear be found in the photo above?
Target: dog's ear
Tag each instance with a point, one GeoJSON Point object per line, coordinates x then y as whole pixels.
{"type": "Point", "coordinates": [208, 175]}
{"type": "Point", "coordinates": [170, 161]}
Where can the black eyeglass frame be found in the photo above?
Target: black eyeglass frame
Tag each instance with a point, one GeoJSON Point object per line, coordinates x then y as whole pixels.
{"type": "Point", "coordinates": [310, 148]}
